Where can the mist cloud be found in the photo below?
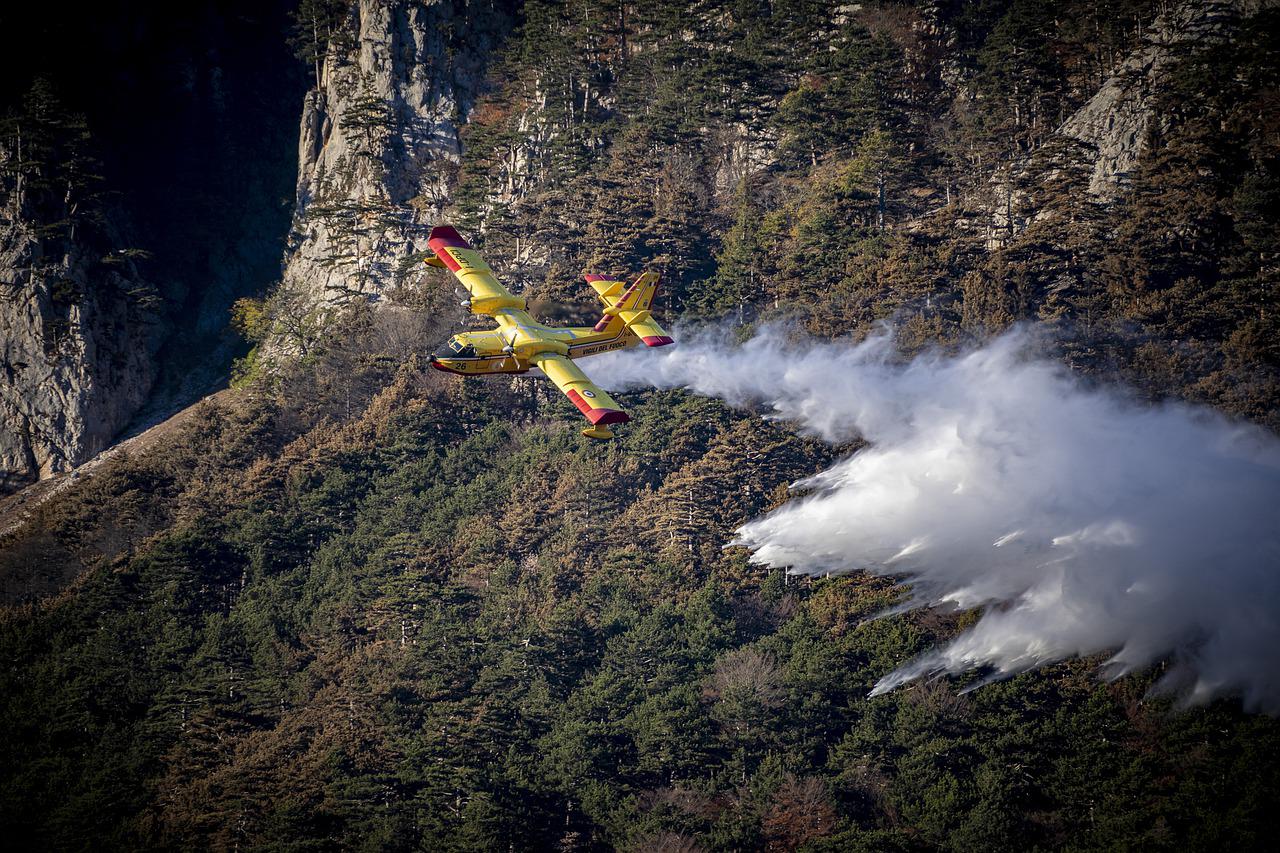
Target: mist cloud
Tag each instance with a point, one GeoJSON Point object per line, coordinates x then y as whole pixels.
{"type": "Point", "coordinates": [1084, 521]}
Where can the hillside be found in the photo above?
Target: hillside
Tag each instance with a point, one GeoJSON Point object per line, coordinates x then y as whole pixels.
{"type": "Point", "coordinates": [356, 603]}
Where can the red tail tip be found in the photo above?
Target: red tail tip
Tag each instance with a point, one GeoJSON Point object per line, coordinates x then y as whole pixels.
{"type": "Point", "coordinates": [656, 340]}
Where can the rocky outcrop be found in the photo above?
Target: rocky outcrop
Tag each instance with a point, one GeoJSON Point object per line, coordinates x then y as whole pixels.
{"type": "Point", "coordinates": [1098, 146]}
{"type": "Point", "coordinates": [1115, 122]}
{"type": "Point", "coordinates": [126, 127]}
{"type": "Point", "coordinates": [379, 146]}
{"type": "Point", "coordinates": [77, 335]}
{"type": "Point", "coordinates": [378, 153]}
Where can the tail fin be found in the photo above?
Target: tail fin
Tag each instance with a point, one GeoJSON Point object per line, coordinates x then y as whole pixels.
{"type": "Point", "coordinates": [629, 308]}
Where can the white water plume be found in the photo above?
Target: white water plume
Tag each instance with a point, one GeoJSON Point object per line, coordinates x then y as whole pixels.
{"type": "Point", "coordinates": [1082, 520]}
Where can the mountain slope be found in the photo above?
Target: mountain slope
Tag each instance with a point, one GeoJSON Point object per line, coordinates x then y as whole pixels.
{"type": "Point", "coordinates": [359, 603]}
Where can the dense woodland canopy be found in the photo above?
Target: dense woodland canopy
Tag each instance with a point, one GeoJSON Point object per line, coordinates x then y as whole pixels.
{"type": "Point", "coordinates": [358, 604]}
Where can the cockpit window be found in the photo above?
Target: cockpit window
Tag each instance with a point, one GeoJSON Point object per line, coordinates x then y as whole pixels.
{"type": "Point", "coordinates": [457, 348]}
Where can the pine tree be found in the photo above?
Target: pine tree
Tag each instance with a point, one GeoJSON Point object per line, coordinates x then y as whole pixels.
{"type": "Point", "coordinates": [319, 25]}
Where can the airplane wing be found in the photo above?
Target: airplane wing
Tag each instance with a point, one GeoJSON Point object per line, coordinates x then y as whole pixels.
{"type": "Point", "coordinates": [487, 295]}
{"type": "Point", "coordinates": [595, 405]}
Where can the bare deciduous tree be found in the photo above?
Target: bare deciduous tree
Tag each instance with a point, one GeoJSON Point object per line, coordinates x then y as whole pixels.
{"type": "Point", "coordinates": [747, 683]}
{"type": "Point", "coordinates": [800, 812]}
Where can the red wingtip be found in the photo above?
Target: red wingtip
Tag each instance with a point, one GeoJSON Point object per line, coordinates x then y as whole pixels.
{"type": "Point", "coordinates": [592, 276]}
{"type": "Point", "coordinates": [607, 416]}
{"type": "Point", "coordinates": [656, 340]}
{"type": "Point", "coordinates": [447, 235]}
{"type": "Point", "coordinates": [596, 416]}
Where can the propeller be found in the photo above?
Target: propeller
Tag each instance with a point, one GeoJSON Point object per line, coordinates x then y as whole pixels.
{"type": "Point", "coordinates": [466, 319]}
{"type": "Point", "coordinates": [509, 347]}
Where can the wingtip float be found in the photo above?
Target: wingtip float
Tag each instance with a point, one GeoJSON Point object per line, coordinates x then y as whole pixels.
{"type": "Point", "coordinates": [520, 342]}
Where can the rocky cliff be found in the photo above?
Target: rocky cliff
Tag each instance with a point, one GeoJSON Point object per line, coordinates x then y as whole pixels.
{"type": "Point", "coordinates": [166, 133]}
{"type": "Point", "coordinates": [379, 144]}
{"type": "Point", "coordinates": [1100, 144]}
{"type": "Point", "coordinates": [1116, 120]}
{"type": "Point", "coordinates": [76, 370]}
{"type": "Point", "coordinates": [78, 328]}
{"type": "Point", "coordinates": [378, 151]}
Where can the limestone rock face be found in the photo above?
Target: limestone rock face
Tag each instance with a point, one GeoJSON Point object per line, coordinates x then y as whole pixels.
{"type": "Point", "coordinates": [1116, 120]}
{"type": "Point", "coordinates": [76, 342]}
{"type": "Point", "coordinates": [1099, 145]}
{"type": "Point", "coordinates": [379, 146]}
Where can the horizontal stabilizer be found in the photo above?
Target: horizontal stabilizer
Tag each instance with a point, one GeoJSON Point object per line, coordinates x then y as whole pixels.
{"type": "Point", "coordinates": [618, 302]}
{"type": "Point", "coordinates": [652, 335]}
{"type": "Point", "coordinates": [632, 318]}
{"type": "Point", "coordinates": [605, 287]}
{"type": "Point", "coordinates": [642, 325]}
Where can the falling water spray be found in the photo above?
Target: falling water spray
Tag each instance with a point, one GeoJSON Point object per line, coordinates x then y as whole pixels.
{"type": "Point", "coordinates": [1097, 523]}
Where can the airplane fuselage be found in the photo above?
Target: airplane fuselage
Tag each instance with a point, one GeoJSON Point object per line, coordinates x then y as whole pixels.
{"type": "Point", "coordinates": [517, 339]}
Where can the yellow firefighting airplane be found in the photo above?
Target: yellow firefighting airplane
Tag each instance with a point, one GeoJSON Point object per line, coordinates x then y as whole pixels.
{"type": "Point", "coordinates": [520, 342]}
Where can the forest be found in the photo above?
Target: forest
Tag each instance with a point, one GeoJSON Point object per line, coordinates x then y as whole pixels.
{"type": "Point", "coordinates": [353, 603]}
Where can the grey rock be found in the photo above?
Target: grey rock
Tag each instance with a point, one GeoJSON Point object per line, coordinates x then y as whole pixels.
{"type": "Point", "coordinates": [1106, 137]}
{"type": "Point", "coordinates": [1116, 120]}
{"type": "Point", "coordinates": [379, 148]}
{"type": "Point", "coordinates": [77, 338]}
